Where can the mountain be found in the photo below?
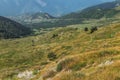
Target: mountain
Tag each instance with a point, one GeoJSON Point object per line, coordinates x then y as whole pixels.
{"type": "Point", "coordinates": [54, 7]}
{"type": "Point", "coordinates": [31, 17]}
{"type": "Point", "coordinates": [45, 20]}
{"type": "Point", "coordinates": [12, 29]}
{"type": "Point", "coordinates": [108, 9]}
{"type": "Point", "coordinates": [42, 20]}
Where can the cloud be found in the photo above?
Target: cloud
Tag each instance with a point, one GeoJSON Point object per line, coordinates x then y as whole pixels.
{"type": "Point", "coordinates": [42, 3]}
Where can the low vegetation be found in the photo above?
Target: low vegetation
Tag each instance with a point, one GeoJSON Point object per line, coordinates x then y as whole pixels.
{"type": "Point", "coordinates": [64, 54]}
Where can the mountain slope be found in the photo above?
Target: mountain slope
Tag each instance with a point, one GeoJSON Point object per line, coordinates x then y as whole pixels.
{"type": "Point", "coordinates": [12, 29]}
{"type": "Point", "coordinates": [95, 12]}
{"type": "Point", "coordinates": [54, 7]}
{"type": "Point", "coordinates": [63, 54]}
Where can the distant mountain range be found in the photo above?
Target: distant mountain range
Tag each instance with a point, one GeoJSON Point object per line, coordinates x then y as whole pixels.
{"type": "Point", "coordinates": [45, 20]}
{"type": "Point", "coordinates": [54, 7]}
{"type": "Point", "coordinates": [32, 18]}
{"type": "Point", "coordinates": [12, 29]}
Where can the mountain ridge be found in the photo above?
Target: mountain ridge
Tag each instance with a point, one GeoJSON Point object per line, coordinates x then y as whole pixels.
{"type": "Point", "coordinates": [104, 10]}
{"type": "Point", "coordinates": [97, 11]}
{"type": "Point", "coordinates": [31, 17]}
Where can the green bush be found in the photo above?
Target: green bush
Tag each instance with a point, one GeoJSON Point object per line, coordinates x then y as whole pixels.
{"type": "Point", "coordinates": [93, 29]}
{"type": "Point", "coordinates": [52, 56]}
{"type": "Point", "coordinates": [85, 29]}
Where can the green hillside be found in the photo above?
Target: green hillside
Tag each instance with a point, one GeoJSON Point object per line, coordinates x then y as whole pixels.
{"type": "Point", "coordinates": [96, 13]}
{"type": "Point", "coordinates": [12, 29]}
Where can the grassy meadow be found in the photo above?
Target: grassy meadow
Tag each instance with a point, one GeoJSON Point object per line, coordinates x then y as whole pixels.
{"type": "Point", "coordinates": [68, 53]}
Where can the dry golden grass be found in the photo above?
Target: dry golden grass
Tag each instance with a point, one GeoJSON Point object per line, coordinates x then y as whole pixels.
{"type": "Point", "coordinates": [78, 53]}
{"type": "Point", "coordinates": [97, 51]}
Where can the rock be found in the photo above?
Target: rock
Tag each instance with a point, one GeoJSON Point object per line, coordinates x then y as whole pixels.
{"type": "Point", "coordinates": [26, 75]}
{"type": "Point", "coordinates": [107, 63]}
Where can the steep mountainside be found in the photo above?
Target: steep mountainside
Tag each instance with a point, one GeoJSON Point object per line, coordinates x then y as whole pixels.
{"type": "Point", "coordinates": [95, 12]}
{"type": "Point", "coordinates": [12, 29]}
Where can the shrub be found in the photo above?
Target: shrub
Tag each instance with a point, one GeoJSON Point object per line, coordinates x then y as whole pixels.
{"type": "Point", "coordinates": [52, 56]}
{"type": "Point", "coordinates": [85, 29]}
{"type": "Point", "coordinates": [54, 35]}
{"type": "Point", "coordinates": [93, 29]}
